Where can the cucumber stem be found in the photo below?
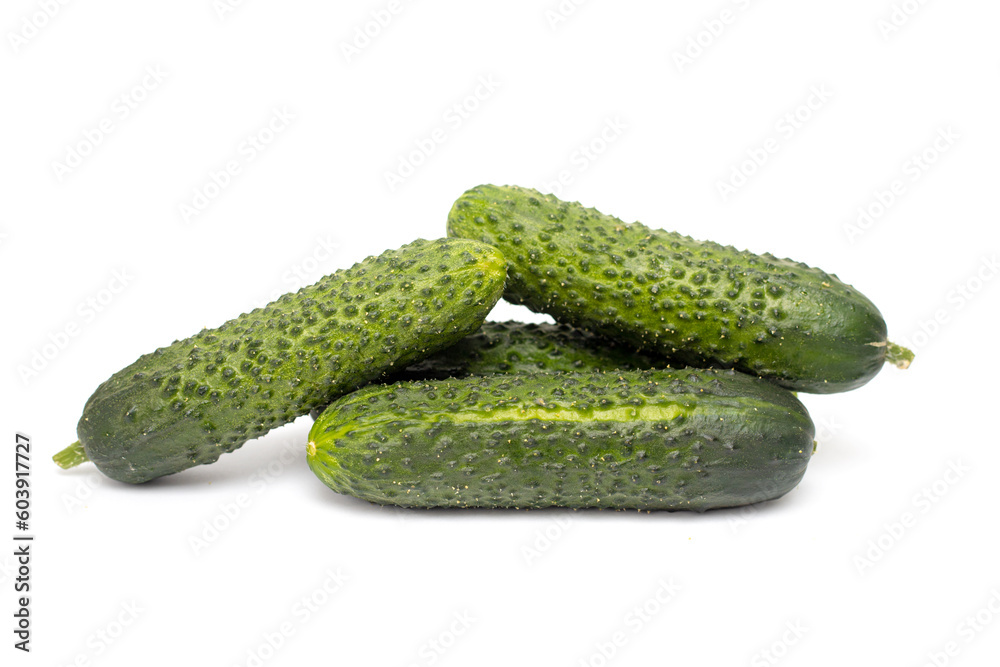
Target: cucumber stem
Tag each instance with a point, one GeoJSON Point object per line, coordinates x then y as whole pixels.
{"type": "Point", "coordinates": [71, 457]}
{"type": "Point", "coordinates": [898, 355]}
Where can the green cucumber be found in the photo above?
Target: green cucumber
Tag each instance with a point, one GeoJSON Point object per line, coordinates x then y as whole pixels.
{"type": "Point", "coordinates": [188, 403]}
{"type": "Point", "coordinates": [659, 439]}
{"type": "Point", "coordinates": [516, 347]}
{"type": "Point", "coordinates": [697, 303]}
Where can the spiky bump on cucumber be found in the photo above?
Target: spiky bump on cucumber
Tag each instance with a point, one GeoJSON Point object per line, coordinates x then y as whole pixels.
{"type": "Point", "coordinates": [695, 302]}
{"type": "Point", "coordinates": [654, 440]}
{"type": "Point", "coordinates": [188, 403]}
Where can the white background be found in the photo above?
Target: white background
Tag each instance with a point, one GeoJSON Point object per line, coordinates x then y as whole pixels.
{"type": "Point", "coordinates": [553, 587]}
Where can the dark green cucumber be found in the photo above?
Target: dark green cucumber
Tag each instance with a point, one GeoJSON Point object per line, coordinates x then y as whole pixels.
{"type": "Point", "coordinates": [659, 439]}
{"type": "Point", "coordinates": [188, 403]}
{"type": "Point", "coordinates": [516, 347]}
{"type": "Point", "coordinates": [697, 303]}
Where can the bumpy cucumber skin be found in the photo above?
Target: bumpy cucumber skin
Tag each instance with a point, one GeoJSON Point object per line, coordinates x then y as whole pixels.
{"type": "Point", "coordinates": [516, 347]}
{"type": "Point", "coordinates": [696, 302]}
{"type": "Point", "coordinates": [186, 404]}
{"type": "Point", "coordinates": [651, 440]}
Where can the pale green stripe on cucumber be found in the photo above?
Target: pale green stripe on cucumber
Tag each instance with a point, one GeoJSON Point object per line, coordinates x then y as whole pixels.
{"type": "Point", "coordinates": [660, 439]}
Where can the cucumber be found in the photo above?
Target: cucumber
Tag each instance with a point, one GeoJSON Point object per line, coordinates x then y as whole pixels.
{"type": "Point", "coordinates": [697, 303]}
{"type": "Point", "coordinates": [659, 439]}
{"type": "Point", "coordinates": [188, 403]}
{"type": "Point", "coordinates": [516, 347]}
